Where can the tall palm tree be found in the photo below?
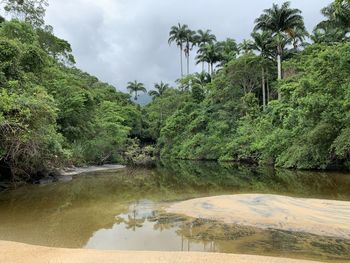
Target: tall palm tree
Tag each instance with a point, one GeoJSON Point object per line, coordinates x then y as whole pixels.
{"type": "Point", "coordinates": [136, 87]}
{"type": "Point", "coordinates": [190, 42]}
{"type": "Point", "coordinates": [177, 34]}
{"type": "Point", "coordinates": [204, 38]}
{"type": "Point", "coordinates": [280, 21]}
{"type": "Point", "coordinates": [159, 90]}
{"type": "Point", "coordinates": [263, 44]}
{"type": "Point", "coordinates": [211, 54]}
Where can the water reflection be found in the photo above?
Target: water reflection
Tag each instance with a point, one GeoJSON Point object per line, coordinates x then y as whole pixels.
{"type": "Point", "coordinates": [146, 227]}
{"type": "Point", "coordinates": [123, 210]}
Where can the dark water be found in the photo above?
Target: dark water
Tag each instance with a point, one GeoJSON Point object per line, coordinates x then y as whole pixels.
{"type": "Point", "coordinates": [123, 210]}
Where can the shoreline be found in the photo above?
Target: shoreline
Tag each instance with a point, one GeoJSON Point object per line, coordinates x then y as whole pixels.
{"type": "Point", "coordinates": [90, 169]}
{"type": "Point", "coordinates": [12, 252]}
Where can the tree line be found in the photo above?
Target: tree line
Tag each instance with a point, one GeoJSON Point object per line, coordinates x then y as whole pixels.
{"type": "Point", "coordinates": [280, 99]}
{"type": "Point", "coordinates": [277, 98]}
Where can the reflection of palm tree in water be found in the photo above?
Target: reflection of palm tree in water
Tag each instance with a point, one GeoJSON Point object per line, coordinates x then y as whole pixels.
{"type": "Point", "coordinates": [185, 233]}
{"type": "Point", "coordinates": [189, 233]}
{"type": "Point", "coordinates": [162, 226]}
{"type": "Point", "coordinates": [132, 222]}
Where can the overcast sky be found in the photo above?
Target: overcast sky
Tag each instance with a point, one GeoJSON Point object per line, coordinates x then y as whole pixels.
{"type": "Point", "coordinates": [123, 40]}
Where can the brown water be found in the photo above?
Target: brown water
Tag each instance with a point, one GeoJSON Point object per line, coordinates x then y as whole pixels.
{"type": "Point", "coordinates": [123, 210]}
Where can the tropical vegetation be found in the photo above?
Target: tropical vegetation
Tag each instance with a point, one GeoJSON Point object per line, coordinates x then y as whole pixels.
{"type": "Point", "coordinates": [280, 98]}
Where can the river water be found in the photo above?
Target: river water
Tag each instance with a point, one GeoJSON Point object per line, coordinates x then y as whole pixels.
{"type": "Point", "coordinates": [124, 210]}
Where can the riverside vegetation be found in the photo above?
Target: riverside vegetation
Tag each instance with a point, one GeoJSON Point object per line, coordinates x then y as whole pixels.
{"type": "Point", "coordinates": [280, 98]}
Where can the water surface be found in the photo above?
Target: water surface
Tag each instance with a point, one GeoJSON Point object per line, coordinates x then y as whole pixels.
{"type": "Point", "coordinates": [123, 210]}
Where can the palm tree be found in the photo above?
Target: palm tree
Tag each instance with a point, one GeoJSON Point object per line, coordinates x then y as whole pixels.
{"type": "Point", "coordinates": [202, 79]}
{"type": "Point", "coordinates": [326, 33]}
{"type": "Point", "coordinates": [298, 37]}
{"type": "Point", "coordinates": [178, 35]}
{"type": "Point", "coordinates": [204, 38]}
{"type": "Point", "coordinates": [210, 53]}
{"type": "Point", "coordinates": [280, 21]}
{"type": "Point", "coordinates": [342, 12]}
{"type": "Point", "coordinates": [135, 87]}
{"type": "Point", "coordinates": [263, 44]}
{"type": "Point", "coordinates": [337, 22]}
{"type": "Point", "coordinates": [246, 46]}
{"type": "Point", "coordinates": [160, 88]}
{"type": "Point", "coordinates": [190, 42]}
{"type": "Point", "coordinates": [229, 50]}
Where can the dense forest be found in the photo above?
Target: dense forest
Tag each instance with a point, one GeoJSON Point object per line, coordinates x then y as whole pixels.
{"type": "Point", "coordinates": [281, 98]}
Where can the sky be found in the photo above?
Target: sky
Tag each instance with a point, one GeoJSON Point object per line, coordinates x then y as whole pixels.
{"type": "Point", "coordinates": [125, 40]}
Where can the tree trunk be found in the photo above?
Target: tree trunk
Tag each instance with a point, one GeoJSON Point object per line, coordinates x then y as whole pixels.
{"type": "Point", "coordinates": [203, 66]}
{"type": "Point", "coordinates": [267, 86]}
{"type": "Point", "coordinates": [279, 68]}
{"type": "Point", "coordinates": [188, 63]}
{"type": "Point", "coordinates": [182, 70]}
{"type": "Point", "coordinates": [263, 87]}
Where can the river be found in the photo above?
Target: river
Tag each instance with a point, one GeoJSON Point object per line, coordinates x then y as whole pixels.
{"type": "Point", "coordinates": [124, 210]}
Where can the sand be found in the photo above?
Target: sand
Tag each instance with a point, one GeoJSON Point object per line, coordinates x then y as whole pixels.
{"type": "Point", "coordinates": [315, 216]}
{"type": "Point", "coordinates": [90, 169]}
{"type": "Point", "coordinates": [11, 252]}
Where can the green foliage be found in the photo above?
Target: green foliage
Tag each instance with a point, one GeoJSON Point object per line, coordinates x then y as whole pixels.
{"type": "Point", "coordinates": [51, 114]}
{"type": "Point", "coordinates": [307, 129]}
{"type": "Point", "coordinates": [29, 11]}
{"type": "Point", "coordinates": [137, 155]}
{"type": "Point", "coordinates": [29, 140]}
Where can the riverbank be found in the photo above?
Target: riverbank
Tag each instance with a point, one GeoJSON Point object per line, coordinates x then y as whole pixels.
{"type": "Point", "coordinates": [11, 252]}
{"type": "Point", "coordinates": [314, 216]}
{"type": "Point", "coordinates": [89, 169]}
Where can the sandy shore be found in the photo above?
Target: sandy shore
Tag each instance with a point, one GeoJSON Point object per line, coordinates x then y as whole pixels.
{"type": "Point", "coordinates": [89, 169]}
{"type": "Point", "coordinates": [319, 217]}
{"type": "Point", "coordinates": [11, 252]}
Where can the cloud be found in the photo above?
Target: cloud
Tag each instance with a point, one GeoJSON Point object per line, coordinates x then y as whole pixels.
{"type": "Point", "coordinates": [123, 40]}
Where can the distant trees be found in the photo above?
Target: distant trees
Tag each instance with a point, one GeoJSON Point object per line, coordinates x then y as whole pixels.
{"type": "Point", "coordinates": [135, 87]}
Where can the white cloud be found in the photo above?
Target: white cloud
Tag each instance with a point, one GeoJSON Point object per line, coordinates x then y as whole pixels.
{"type": "Point", "coordinates": [122, 40]}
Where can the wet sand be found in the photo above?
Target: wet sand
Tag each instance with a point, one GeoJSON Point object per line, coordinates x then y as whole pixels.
{"type": "Point", "coordinates": [90, 169]}
{"type": "Point", "coordinates": [11, 252]}
{"type": "Point", "coordinates": [315, 216]}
